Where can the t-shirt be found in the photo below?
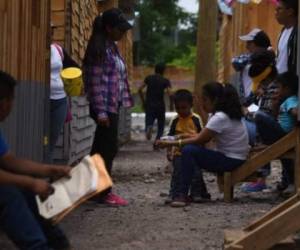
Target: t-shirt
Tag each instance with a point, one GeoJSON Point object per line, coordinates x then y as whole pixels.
{"type": "Point", "coordinates": [282, 59]}
{"type": "Point", "coordinates": [185, 125]}
{"type": "Point", "coordinates": [231, 135]}
{"type": "Point", "coordinates": [156, 85]}
{"type": "Point", "coordinates": [3, 146]}
{"type": "Point", "coordinates": [56, 84]}
{"type": "Point", "coordinates": [286, 120]}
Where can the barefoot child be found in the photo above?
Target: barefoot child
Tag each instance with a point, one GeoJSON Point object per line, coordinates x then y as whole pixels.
{"type": "Point", "coordinates": [185, 124]}
{"type": "Point", "coordinates": [225, 127]}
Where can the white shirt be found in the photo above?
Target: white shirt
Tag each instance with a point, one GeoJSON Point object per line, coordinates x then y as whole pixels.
{"type": "Point", "coordinates": [282, 58]}
{"type": "Point", "coordinates": [231, 136]}
{"type": "Point", "coordinates": [56, 84]}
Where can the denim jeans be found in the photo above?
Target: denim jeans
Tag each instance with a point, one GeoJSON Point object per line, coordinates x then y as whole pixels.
{"type": "Point", "coordinates": [270, 131]}
{"type": "Point", "coordinates": [252, 134]}
{"type": "Point", "coordinates": [58, 113]}
{"type": "Point", "coordinates": [18, 220]}
{"type": "Point", "coordinates": [198, 187]}
{"type": "Point", "coordinates": [194, 156]}
{"type": "Point", "coordinates": [159, 115]}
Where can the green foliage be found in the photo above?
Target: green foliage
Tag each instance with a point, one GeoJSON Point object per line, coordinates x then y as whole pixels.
{"type": "Point", "coordinates": [161, 24]}
{"type": "Point", "coordinates": [187, 60]}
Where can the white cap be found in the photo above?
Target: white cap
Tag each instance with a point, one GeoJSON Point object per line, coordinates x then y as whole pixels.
{"type": "Point", "coordinates": [251, 35]}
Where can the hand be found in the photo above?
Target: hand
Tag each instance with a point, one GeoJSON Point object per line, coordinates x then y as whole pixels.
{"type": "Point", "coordinates": [164, 143]}
{"type": "Point", "coordinates": [104, 122]}
{"type": "Point", "coordinates": [42, 188]}
{"type": "Point", "coordinates": [56, 172]}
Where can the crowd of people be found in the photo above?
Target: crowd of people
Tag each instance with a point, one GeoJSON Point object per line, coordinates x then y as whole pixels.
{"type": "Point", "coordinates": [268, 81]}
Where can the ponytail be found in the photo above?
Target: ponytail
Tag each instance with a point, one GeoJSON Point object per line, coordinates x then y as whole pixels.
{"type": "Point", "coordinates": [96, 47]}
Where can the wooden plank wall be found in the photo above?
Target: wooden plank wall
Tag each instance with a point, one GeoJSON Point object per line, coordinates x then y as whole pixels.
{"type": "Point", "coordinates": [24, 41]}
{"type": "Point", "coordinates": [58, 19]}
{"type": "Point", "coordinates": [245, 18]}
{"type": "Point", "coordinates": [24, 53]}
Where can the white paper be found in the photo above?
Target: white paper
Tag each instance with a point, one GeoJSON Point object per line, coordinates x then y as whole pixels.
{"type": "Point", "coordinates": [83, 181]}
{"type": "Point", "coordinates": [253, 108]}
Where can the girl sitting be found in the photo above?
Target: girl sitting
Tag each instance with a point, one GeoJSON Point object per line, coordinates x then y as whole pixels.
{"type": "Point", "coordinates": [225, 127]}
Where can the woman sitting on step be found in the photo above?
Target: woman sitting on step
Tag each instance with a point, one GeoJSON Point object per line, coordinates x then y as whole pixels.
{"type": "Point", "coordinates": [225, 126]}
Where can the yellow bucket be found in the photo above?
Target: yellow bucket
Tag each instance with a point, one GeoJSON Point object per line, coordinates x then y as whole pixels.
{"type": "Point", "coordinates": [72, 78]}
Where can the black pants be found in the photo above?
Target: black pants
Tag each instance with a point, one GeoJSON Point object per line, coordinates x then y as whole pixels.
{"type": "Point", "coordinates": [151, 116]}
{"type": "Point", "coordinates": [106, 141]}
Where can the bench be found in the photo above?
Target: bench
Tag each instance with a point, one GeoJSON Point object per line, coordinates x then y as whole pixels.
{"type": "Point", "coordinates": [283, 148]}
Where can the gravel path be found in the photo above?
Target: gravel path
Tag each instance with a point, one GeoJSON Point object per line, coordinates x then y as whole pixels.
{"type": "Point", "coordinates": [140, 176]}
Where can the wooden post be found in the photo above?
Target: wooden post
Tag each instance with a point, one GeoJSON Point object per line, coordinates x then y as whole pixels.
{"type": "Point", "coordinates": [206, 44]}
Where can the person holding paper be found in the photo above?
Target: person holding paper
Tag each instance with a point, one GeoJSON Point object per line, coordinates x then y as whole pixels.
{"type": "Point", "coordinates": [20, 181]}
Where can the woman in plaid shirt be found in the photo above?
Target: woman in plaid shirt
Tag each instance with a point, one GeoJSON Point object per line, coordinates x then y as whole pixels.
{"type": "Point", "coordinates": [107, 87]}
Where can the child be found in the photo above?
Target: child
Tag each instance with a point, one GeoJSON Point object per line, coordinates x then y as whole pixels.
{"type": "Point", "coordinates": [154, 104]}
{"type": "Point", "coordinates": [272, 129]}
{"type": "Point", "coordinates": [20, 181]}
{"type": "Point", "coordinates": [225, 127]}
{"type": "Point", "coordinates": [185, 124]}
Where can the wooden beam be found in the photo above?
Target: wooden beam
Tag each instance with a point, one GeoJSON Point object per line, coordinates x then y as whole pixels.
{"type": "Point", "coordinates": [274, 151]}
{"type": "Point", "coordinates": [271, 232]}
{"type": "Point", "coordinates": [206, 44]}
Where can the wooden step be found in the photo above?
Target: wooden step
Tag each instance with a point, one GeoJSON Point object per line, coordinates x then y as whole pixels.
{"type": "Point", "coordinates": [231, 235]}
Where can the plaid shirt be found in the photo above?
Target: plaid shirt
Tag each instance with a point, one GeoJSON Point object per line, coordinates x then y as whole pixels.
{"type": "Point", "coordinates": [265, 102]}
{"type": "Point", "coordinates": [102, 85]}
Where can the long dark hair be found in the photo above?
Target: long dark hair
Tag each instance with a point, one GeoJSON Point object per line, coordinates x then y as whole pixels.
{"type": "Point", "coordinates": [96, 47]}
{"type": "Point", "coordinates": [224, 98]}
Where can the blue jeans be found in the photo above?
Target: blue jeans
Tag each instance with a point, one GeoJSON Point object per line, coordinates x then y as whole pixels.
{"type": "Point", "coordinates": [194, 156]}
{"type": "Point", "coordinates": [159, 115]}
{"type": "Point", "coordinates": [58, 113]}
{"type": "Point", "coordinates": [270, 131]}
{"type": "Point", "coordinates": [18, 220]}
{"type": "Point", "coordinates": [198, 187]}
{"type": "Point", "coordinates": [252, 134]}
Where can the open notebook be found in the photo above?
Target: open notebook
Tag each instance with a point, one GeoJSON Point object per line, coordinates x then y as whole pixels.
{"type": "Point", "coordinates": [88, 178]}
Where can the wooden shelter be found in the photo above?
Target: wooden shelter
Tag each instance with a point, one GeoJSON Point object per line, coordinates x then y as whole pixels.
{"type": "Point", "coordinates": [73, 21]}
{"type": "Point", "coordinates": [24, 53]}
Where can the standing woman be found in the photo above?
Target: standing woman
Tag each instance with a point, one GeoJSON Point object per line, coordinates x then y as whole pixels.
{"type": "Point", "coordinates": [107, 87]}
{"type": "Point", "coordinates": [58, 97]}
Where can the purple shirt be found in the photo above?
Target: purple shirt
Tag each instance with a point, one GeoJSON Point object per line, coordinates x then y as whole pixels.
{"type": "Point", "coordinates": [102, 85]}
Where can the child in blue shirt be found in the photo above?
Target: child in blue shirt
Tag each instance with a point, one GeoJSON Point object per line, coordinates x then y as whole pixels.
{"type": "Point", "coordinates": [272, 129]}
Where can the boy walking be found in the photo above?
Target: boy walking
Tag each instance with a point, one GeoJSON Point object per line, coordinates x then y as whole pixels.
{"type": "Point", "coordinates": [154, 104]}
{"type": "Point", "coordinates": [185, 124]}
{"type": "Point", "coordinates": [20, 181]}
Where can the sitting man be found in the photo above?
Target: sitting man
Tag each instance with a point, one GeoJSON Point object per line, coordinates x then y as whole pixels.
{"type": "Point", "coordinates": [20, 181]}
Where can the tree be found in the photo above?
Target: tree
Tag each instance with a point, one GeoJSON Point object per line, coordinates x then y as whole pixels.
{"type": "Point", "coordinates": [162, 39]}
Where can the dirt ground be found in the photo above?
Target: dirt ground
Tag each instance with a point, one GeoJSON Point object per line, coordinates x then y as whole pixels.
{"type": "Point", "coordinates": [139, 176]}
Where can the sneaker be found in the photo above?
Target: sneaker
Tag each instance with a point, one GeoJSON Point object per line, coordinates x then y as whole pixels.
{"type": "Point", "coordinates": [180, 202]}
{"type": "Point", "coordinates": [114, 200]}
{"type": "Point", "coordinates": [168, 200]}
{"type": "Point", "coordinates": [289, 191]}
{"type": "Point", "coordinates": [254, 187]}
{"type": "Point", "coordinates": [281, 186]}
{"type": "Point", "coordinates": [201, 198]}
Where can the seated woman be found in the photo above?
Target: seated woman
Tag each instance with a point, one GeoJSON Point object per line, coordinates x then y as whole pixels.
{"type": "Point", "coordinates": [225, 126]}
